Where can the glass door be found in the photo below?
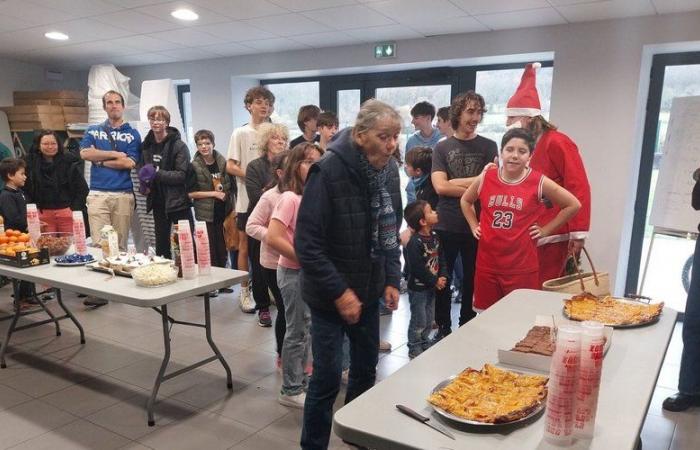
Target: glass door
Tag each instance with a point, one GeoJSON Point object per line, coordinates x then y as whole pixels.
{"type": "Point", "coordinates": [668, 264]}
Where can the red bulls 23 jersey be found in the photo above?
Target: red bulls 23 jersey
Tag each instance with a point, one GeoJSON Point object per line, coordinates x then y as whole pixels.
{"type": "Point", "coordinates": [508, 210]}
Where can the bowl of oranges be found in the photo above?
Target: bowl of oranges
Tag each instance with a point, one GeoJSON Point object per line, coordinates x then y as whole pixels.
{"type": "Point", "coordinates": [58, 243]}
{"type": "Point", "coordinates": [13, 242]}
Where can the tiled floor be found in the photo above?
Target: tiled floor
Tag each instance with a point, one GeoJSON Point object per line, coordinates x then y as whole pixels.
{"type": "Point", "coordinates": [57, 394]}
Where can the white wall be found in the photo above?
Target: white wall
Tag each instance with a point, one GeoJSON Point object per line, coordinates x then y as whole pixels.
{"type": "Point", "coordinates": [19, 76]}
{"type": "Point", "coordinates": [598, 92]}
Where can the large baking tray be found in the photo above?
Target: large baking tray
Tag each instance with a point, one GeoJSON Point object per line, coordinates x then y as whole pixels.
{"type": "Point", "coordinates": [631, 325]}
{"type": "Point", "coordinates": [451, 417]}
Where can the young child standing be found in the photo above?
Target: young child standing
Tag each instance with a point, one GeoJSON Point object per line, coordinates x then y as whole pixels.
{"type": "Point", "coordinates": [242, 149]}
{"type": "Point", "coordinates": [13, 209]}
{"type": "Point", "coordinates": [280, 236]}
{"type": "Point", "coordinates": [512, 199]}
{"type": "Point", "coordinates": [258, 222]}
{"type": "Point", "coordinates": [427, 272]}
{"type": "Point", "coordinates": [211, 193]}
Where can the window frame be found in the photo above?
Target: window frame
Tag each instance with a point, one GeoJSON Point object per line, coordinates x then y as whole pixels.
{"type": "Point", "coordinates": [460, 78]}
{"type": "Point", "coordinates": [646, 164]}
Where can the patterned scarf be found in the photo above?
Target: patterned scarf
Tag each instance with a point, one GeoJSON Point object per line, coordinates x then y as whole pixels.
{"type": "Point", "coordinates": [384, 234]}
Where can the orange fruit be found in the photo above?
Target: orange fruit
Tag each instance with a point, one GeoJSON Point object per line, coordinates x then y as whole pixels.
{"type": "Point", "coordinates": [4, 239]}
{"type": "Point", "coordinates": [9, 232]}
{"type": "Point", "coordinates": [13, 239]}
{"type": "Point", "coordinates": [16, 233]}
{"type": "Point", "coordinates": [23, 237]}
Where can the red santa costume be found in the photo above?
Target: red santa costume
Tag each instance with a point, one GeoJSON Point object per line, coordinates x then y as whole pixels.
{"type": "Point", "coordinates": [557, 157]}
{"type": "Point", "coordinates": [507, 256]}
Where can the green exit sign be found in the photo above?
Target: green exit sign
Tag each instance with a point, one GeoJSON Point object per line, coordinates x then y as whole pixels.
{"type": "Point", "coordinates": [385, 50]}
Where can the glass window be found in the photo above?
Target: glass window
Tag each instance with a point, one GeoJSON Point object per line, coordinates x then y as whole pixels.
{"type": "Point", "coordinates": [668, 273]}
{"type": "Point", "coordinates": [289, 97]}
{"type": "Point", "coordinates": [497, 86]}
{"type": "Point", "coordinates": [348, 107]}
{"type": "Point", "coordinates": [404, 97]}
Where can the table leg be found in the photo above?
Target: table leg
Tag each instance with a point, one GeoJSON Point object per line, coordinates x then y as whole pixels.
{"type": "Point", "coordinates": [4, 344]}
{"type": "Point", "coordinates": [207, 327]}
{"type": "Point", "coordinates": [164, 365]}
{"type": "Point", "coordinates": [59, 300]}
{"type": "Point", "coordinates": [48, 312]}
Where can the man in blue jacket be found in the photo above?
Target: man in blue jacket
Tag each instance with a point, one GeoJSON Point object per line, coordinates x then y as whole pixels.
{"type": "Point", "coordinates": [347, 244]}
{"type": "Point", "coordinates": [113, 148]}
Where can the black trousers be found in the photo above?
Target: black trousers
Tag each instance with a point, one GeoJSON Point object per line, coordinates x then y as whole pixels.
{"type": "Point", "coordinates": [280, 322]}
{"type": "Point", "coordinates": [260, 286]}
{"type": "Point", "coordinates": [453, 244]}
{"type": "Point", "coordinates": [162, 224]}
{"type": "Point", "coordinates": [217, 244]}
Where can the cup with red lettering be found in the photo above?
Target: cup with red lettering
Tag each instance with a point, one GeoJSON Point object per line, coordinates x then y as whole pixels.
{"type": "Point", "coordinates": [561, 395]}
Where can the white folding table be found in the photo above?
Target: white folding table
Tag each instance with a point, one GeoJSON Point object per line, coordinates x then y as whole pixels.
{"type": "Point", "coordinates": [124, 290]}
{"type": "Point", "coordinates": [630, 370]}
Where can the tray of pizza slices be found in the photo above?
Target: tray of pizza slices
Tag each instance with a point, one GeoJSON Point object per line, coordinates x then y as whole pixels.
{"type": "Point", "coordinates": [535, 350]}
{"type": "Point", "coordinates": [489, 397]}
{"type": "Point", "coordinates": [613, 311]}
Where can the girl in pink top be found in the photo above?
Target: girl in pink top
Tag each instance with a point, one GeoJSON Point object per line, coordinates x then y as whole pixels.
{"type": "Point", "coordinates": [280, 236]}
{"type": "Point", "coordinates": [256, 227]}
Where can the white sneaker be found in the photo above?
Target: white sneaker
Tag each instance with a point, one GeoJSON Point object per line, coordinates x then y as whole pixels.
{"type": "Point", "coordinates": [293, 401]}
{"type": "Point", "coordinates": [384, 346]}
{"type": "Point", "coordinates": [246, 302]}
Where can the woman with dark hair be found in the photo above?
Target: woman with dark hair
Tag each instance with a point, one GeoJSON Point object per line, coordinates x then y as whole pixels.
{"type": "Point", "coordinates": [165, 163]}
{"type": "Point", "coordinates": [55, 182]}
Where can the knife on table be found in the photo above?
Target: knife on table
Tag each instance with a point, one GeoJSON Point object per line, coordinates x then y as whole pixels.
{"type": "Point", "coordinates": [425, 420]}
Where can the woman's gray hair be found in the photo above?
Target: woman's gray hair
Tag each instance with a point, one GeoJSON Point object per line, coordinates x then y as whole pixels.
{"type": "Point", "coordinates": [267, 130]}
{"type": "Point", "coordinates": [371, 112]}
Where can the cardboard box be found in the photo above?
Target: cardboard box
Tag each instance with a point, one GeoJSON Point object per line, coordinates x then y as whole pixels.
{"type": "Point", "coordinates": [33, 109]}
{"type": "Point", "coordinates": [75, 118]}
{"type": "Point", "coordinates": [48, 95]}
{"type": "Point", "coordinates": [541, 363]}
{"type": "Point", "coordinates": [35, 117]}
{"type": "Point", "coordinates": [26, 259]}
{"type": "Point", "coordinates": [75, 110]}
{"type": "Point", "coordinates": [37, 125]}
{"type": "Point", "coordinates": [73, 102]}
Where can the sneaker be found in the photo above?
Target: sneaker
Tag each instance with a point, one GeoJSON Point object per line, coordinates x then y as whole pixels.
{"type": "Point", "coordinates": [264, 319]}
{"type": "Point", "coordinates": [345, 377]}
{"type": "Point", "coordinates": [226, 290]}
{"type": "Point", "coordinates": [94, 302]}
{"type": "Point", "coordinates": [384, 346]}
{"type": "Point", "coordinates": [293, 401]}
{"type": "Point", "coordinates": [246, 302]}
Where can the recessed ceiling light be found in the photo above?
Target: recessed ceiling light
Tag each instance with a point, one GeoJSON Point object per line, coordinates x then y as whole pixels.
{"type": "Point", "coordinates": [56, 35]}
{"type": "Point", "coordinates": [185, 14]}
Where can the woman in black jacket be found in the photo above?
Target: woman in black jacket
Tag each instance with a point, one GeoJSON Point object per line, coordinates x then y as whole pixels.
{"type": "Point", "coordinates": [164, 166]}
{"type": "Point", "coordinates": [55, 182]}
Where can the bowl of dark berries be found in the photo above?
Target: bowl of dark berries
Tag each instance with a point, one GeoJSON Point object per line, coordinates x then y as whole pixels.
{"type": "Point", "coordinates": [74, 259]}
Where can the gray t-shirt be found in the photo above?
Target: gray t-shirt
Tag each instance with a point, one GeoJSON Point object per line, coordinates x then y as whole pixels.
{"type": "Point", "coordinates": [459, 159]}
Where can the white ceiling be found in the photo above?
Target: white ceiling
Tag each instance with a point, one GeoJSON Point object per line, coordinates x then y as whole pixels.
{"type": "Point", "coordinates": [137, 32]}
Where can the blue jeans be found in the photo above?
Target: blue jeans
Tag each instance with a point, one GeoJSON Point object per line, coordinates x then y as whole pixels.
{"type": "Point", "coordinates": [689, 380]}
{"type": "Point", "coordinates": [421, 323]}
{"type": "Point", "coordinates": [327, 331]}
{"type": "Point", "coordinates": [295, 347]}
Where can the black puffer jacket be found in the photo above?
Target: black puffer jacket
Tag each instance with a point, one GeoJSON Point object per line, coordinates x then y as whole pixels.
{"type": "Point", "coordinates": [332, 237]}
{"type": "Point", "coordinates": [170, 183]}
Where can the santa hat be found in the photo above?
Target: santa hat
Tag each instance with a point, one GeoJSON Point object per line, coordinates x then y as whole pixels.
{"type": "Point", "coordinates": [525, 101]}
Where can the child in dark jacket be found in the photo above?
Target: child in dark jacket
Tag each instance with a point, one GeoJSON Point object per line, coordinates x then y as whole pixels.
{"type": "Point", "coordinates": [13, 209]}
{"type": "Point", "coordinates": [427, 272]}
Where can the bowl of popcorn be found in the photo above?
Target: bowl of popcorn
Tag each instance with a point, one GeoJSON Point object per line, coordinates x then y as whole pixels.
{"type": "Point", "coordinates": [58, 243]}
{"type": "Point", "coordinates": [154, 275]}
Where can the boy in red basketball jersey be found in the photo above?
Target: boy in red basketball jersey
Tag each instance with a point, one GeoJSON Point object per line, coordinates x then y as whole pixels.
{"type": "Point", "coordinates": [511, 199]}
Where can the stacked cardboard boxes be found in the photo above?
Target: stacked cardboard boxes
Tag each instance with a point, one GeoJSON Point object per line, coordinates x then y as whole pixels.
{"type": "Point", "coordinates": [51, 110]}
